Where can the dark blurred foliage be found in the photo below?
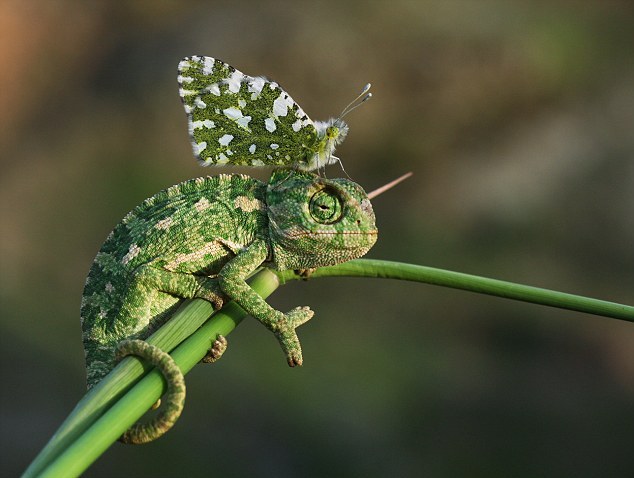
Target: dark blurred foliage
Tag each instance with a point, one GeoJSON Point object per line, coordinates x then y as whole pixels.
{"type": "Point", "coordinates": [517, 118]}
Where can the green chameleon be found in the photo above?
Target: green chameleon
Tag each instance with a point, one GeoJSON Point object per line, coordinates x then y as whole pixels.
{"type": "Point", "coordinates": [201, 239]}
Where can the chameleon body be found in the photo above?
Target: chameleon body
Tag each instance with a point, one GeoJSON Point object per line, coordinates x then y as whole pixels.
{"type": "Point", "coordinates": [202, 238]}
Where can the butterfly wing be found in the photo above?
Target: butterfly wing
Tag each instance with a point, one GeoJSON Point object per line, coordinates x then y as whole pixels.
{"type": "Point", "coordinates": [243, 120]}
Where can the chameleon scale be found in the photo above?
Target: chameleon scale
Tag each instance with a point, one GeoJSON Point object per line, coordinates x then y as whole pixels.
{"type": "Point", "coordinates": [202, 238]}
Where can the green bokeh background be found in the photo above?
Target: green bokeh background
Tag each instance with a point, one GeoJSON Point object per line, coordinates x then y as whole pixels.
{"type": "Point", "coordinates": [517, 118]}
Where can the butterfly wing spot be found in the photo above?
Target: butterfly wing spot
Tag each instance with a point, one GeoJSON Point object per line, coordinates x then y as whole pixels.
{"type": "Point", "coordinates": [269, 124]}
{"type": "Point", "coordinates": [225, 139]}
{"type": "Point", "coordinates": [199, 148]}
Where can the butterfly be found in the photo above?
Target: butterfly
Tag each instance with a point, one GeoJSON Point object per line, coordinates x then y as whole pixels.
{"type": "Point", "coordinates": [239, 119]}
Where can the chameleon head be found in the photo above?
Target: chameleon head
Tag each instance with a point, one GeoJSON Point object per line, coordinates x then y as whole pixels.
{"type": "Point", "coordinates": [315, 222]}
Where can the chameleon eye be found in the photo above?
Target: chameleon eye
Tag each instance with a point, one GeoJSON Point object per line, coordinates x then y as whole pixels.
{"type": "Point", "coordinates": [326, 206]}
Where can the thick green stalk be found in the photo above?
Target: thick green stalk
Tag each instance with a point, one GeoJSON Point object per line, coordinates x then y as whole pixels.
{"type": "Point", "coordinates": [92, 426]}
{"type": "Point", "coordinates": [70, 438]}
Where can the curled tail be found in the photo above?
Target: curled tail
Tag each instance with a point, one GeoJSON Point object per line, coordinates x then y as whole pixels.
{"type": "Point", "coordinates": [174, 399]}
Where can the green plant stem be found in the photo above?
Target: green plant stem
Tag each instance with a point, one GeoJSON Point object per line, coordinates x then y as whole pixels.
{"type": "Point", "coordinates": [458, 280]}
{"type": "Point", "coordinates": [92, 424]}
{"type": "Point", "coordinates": [97, 421]}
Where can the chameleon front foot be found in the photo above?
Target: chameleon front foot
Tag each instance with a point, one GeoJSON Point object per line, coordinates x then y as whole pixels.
{"type": "Point", "coordinates": [287, 337]}
{"type": "Point", "coordinates": [175, 397]}
{"type": "Point", "coordinates": [217, 349]}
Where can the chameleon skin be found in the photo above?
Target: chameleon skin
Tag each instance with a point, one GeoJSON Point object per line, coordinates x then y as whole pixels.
{"type": "Point", "coordinates": [203, 238]}
{"type": "Point", "coordinates": [175, 399]}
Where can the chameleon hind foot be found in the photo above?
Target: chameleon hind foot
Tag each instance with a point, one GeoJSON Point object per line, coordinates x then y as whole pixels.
{"type": "Point", "coordinates": [174, 399]}
{"type": "Point", "coordinates": [305, 274]}
{"type": "Point", "coordinates": [217, 349]}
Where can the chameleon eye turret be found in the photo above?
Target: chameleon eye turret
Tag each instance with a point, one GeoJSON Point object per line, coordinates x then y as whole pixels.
{"type": "Point", "coordinates": [326, 206]}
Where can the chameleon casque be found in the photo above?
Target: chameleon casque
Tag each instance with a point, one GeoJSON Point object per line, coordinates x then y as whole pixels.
{"type": "Point", "coordinates": [201, 239]}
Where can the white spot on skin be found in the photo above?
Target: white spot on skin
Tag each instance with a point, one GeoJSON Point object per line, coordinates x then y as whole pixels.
{"type": "Point", "coordinates": [248, 204]}
{"type": "Point", "coordinates": [274, 146]}
{"type": "Point", "coordinates": [132, 253]}
{"type": "Point", "coordinates": [202, 204]}
{"type": "Point", "coordinates": [213, 248]}
{"type": "Point", "coordinates": [164, 223]}
{"type": "Point", "coordinates": [269, 124]}
{"type": "Point", "coordinates": [199, 147]}
{"type": "Point", "coordinates": [225, 139]}
{"type": "Point", "coordinates": [252, 149]}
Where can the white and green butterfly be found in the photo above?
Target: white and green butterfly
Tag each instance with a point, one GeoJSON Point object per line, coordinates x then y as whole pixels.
{"type": "Point", "coordinates": [244, 120]}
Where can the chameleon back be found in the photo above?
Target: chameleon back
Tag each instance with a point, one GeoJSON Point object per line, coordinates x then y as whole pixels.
{"type": "Point", "coordinates": [193, 228]}
{"type": "Point", "coordinates": [176, 243]}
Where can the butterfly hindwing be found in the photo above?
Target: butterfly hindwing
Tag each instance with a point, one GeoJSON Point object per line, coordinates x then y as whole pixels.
{"type": "Point", "coordinates": [243, 120]}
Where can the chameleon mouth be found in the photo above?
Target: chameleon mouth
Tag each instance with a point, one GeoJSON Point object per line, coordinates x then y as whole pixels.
{"type": "Point", "coordinates": [335, 233]}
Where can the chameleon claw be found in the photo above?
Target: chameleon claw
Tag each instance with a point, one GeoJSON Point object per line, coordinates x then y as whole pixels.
{"type": "Point", "coordinates": [305, 273]}
{"type": "Point", "coordinates": [287, 336]}
{"type": "Point", "coordinates": [291, 348]}
{"type": "Point", "coordinates": [218, 348]}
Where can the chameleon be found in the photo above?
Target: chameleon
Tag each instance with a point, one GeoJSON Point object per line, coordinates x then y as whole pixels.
{"type": "Point", "coordinates": [239, 119]}
{"type": "Point", "coordinates": [201, 239]}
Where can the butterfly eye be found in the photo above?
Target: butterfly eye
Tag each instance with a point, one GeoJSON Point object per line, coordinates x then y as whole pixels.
{"type": "Point", "coordinates": [326, 206]}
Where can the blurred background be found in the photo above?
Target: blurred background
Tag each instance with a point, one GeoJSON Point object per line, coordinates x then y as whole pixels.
{"type": "Point", "coordinates": [517, 119]}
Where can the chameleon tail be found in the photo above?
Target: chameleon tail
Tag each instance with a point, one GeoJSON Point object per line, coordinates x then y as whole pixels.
{"type": "Point", "coordinates": [175, 397]}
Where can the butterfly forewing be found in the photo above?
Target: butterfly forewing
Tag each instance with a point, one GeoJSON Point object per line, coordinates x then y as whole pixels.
{"type": "Point", "coordinates": [239, 119]}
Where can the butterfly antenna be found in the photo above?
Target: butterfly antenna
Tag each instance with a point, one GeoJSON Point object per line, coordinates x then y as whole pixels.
{"type": "Point", "coordinates": [358, 101]}
{"type": "Point", "coordinates": [391, 184]}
